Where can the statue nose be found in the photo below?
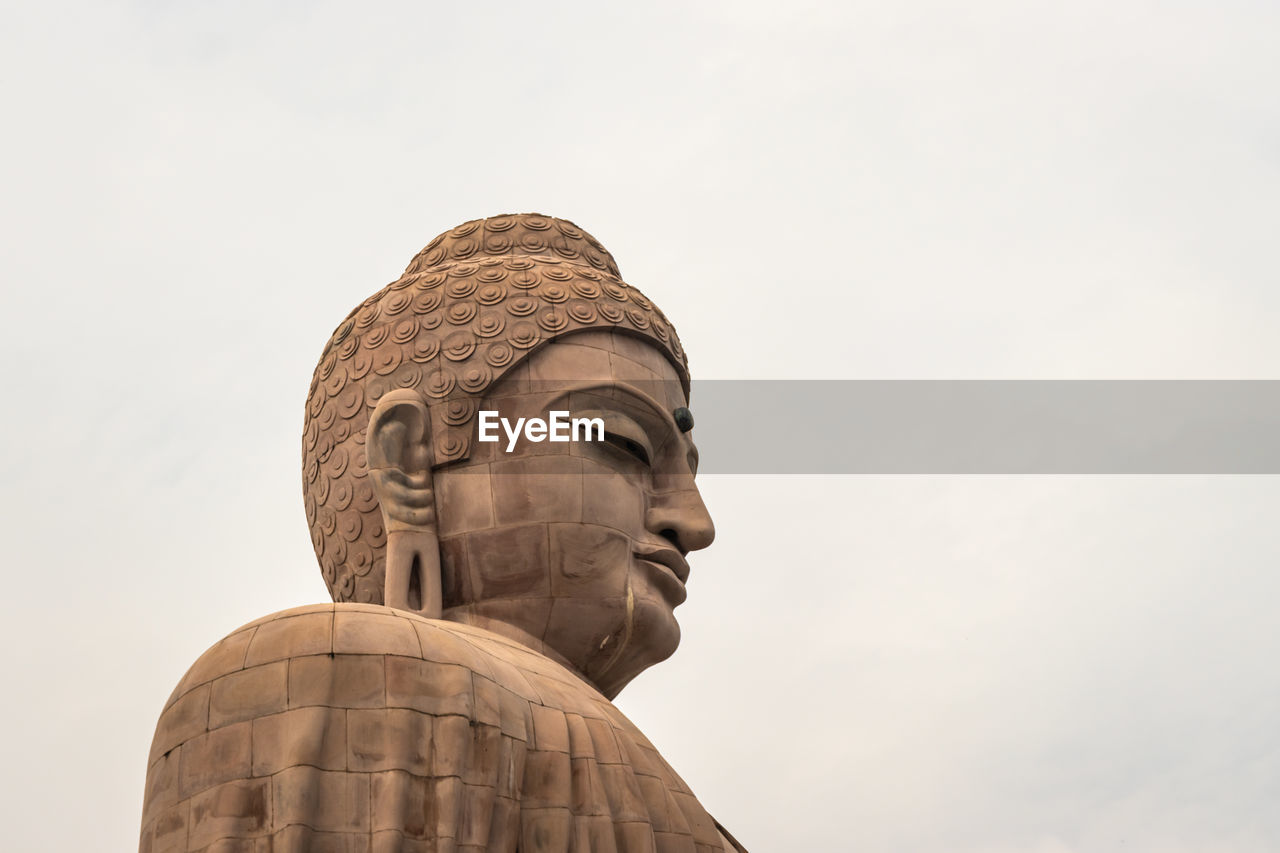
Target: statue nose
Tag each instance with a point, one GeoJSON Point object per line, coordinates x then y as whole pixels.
{"type": "Point", "coordinates": [682, 518]}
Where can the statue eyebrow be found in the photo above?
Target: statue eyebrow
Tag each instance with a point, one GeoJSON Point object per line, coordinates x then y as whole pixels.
{"type": "Point", "coordinates": [649, 403]}
{"type": "Point", "coordinates": [667, 418]}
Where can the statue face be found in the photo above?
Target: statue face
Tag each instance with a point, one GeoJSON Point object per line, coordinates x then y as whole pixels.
{"type": "Point", "coordinates": [579, 546]}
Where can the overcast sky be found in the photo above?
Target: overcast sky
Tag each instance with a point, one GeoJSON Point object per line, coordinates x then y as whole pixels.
{"type": "Point", "coordinates": [195, 194]}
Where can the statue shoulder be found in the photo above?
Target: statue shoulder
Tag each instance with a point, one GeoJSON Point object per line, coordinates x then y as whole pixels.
{"type": "Point", "coordinates": [345, 655]}
{"type": "Point", "coordinates": [293, 724]}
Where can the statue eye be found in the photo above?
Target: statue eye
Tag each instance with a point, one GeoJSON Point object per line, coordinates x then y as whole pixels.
{"type": "Point", "coordinates": [632, 448]}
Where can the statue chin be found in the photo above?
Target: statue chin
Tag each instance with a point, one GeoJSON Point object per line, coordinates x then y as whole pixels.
{"type": "Point", "coordinates": [607, 642]}
{"type": "Point", "coordinates": [656, 646]}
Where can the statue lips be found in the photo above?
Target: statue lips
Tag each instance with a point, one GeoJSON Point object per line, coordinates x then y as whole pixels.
{"type": "Point", "coordinates": [671, 565]}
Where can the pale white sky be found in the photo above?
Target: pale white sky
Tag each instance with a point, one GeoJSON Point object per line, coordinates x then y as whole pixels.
{"type": "Point", "coordinates": [195, 194]}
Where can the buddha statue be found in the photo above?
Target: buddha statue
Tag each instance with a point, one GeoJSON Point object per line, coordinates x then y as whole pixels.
{"type": "Point", "coordinates": [490, 598]}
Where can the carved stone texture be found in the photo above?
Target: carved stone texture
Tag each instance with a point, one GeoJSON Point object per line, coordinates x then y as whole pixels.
{"type": "Point", "coordinates": [527, 585]}
{"type": "Point", "coordinates": [322, 725]}
{"type": "Point", "coordinates": [471, 306]}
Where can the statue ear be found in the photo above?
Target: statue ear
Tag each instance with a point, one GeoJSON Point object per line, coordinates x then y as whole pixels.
{"type": "Point", "coordinates": [397, 446]}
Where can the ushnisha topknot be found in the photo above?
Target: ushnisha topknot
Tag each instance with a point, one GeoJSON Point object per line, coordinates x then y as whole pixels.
{"type": "Point", "coordinates": [473, 304]}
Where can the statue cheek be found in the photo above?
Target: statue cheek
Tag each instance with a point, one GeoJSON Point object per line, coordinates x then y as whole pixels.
{"type": "Point", "coordinates": [509, 562]}
{"type": "Point", "coordinates": [610, 499]}
{"type": "Point", "coordinates": [583, 554]}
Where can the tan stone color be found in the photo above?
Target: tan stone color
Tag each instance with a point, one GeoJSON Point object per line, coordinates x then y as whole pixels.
{"type": "Point", "coordinates": [458, 740]}
{"type": "Point", "coordinates": [470, 308]}
{"type": "Point", "coordinates": [514, 592]}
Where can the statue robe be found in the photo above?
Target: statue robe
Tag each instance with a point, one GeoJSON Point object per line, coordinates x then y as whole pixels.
{"type": "Point", "coordinates": [348, 727]}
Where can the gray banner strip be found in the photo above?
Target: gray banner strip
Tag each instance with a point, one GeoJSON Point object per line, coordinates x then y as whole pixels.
{"type": "Point", "coordinates": [987, 427]}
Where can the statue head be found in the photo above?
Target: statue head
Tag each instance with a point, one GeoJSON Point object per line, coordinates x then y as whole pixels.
{"type": "Point", "coordinates": [575, 548]}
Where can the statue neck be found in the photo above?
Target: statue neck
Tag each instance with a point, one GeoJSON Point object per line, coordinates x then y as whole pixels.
{"type": "Point", "coordinates": [466, 616]}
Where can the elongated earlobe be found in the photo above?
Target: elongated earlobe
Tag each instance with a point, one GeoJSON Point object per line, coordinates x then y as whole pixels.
{"type": "Point", "coordinates": [400, 470]}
